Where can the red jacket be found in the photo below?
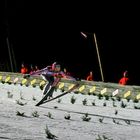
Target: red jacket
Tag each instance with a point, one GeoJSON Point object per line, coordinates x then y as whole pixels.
{"type": "Point", "coordinates": [89, 78]}
{"type": "Point", "coordinates": [24, 70]}
{"type": "Point", "coordinates": [123, 81]}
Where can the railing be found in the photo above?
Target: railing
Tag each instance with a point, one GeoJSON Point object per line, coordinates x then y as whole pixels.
{"type": "Point", "coordinates": [86, 87]}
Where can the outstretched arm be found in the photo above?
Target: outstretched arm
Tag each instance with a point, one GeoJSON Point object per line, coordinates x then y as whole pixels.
{"type": "Point", "coordinates": [38, 72]}
{"type": "Point", "coordinates": [67, 76]}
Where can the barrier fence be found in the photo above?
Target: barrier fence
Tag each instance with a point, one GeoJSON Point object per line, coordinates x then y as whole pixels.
{"type": "Point", "coordinates": [86, 87]}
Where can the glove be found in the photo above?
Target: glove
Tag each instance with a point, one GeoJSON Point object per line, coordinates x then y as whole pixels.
{"type": "Point", "coordinates": [54, 63]}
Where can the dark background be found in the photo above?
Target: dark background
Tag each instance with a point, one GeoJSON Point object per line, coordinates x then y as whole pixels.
{"type": "Point", "coordinates": [40, 33]}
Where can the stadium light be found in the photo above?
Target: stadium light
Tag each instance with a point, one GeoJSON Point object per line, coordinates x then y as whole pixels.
{"type": "Point", "coordinates": [84, 34]}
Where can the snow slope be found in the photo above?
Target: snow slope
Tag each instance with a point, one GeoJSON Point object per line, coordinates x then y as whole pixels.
{"type": "Point", "coordinates": [124, 125]}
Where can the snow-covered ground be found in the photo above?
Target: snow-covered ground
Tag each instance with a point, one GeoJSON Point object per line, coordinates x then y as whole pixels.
{"type": "Point", "coordinates": [106, 122]}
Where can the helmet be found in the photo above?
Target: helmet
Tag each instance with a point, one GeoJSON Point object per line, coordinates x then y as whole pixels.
{"type": "Point", "coordinates": [57, 66]}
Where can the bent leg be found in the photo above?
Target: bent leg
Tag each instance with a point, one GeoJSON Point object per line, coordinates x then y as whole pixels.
{"type": "Point", "coordinates": [50, 80]}
{"type": "Point", "coordinates": [46, 88]}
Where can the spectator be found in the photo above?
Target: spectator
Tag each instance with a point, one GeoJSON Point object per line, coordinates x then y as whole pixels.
{"type": "Point", "coordinates": [124, 80]}
{"type": "Point", "coordinates": [23, 69]}
{"type": "Point", "coordinates": [36, 68]}
{"type": "Point", "coordinates": [32, 69]}
{"type": "Point", "coordinates": [66, 72]}
{"type": "Point", "coordinates": [90, 76]}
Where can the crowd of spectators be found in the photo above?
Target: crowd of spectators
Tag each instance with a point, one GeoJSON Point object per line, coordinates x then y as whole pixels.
{"type": "Point", "coordinates": [28, 69]}
{"type": "Point", "coordinates": [124, 80]}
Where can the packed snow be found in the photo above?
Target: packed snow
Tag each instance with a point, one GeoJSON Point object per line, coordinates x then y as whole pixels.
{"type": "Point", "coordinates": [88, 118]}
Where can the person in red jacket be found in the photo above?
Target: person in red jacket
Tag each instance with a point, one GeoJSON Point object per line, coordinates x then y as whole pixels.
{"type": "Point", "coordinates": [90, 76]}
{"type": "Point", "coordinates": [124, 80]}
{"type": "Point", "coordinates": [31, 69]}
{"type": "Point", "coordinates": [23, 69]}
{"type": "Point", "coordinates": [36, 68]}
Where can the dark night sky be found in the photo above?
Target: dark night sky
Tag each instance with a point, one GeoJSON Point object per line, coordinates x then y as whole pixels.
{"type": "Point", "coordinates": [41, 33]}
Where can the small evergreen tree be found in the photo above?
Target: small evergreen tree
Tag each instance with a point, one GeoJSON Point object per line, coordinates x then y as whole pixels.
{"type": "Point", "coordinates": [9, 95]}
{"type": "Point", "coordinates": [86, 118]}
{"type": "Point", "coordinates": [123, 105]}
{"type": "Point", "coordinates": [106, 97]}
{"type": "Point", "coordinates": [93, 103]}
{"type": "Point", "coordinates": [49, 115]}
{"type": "Point", "coordinates": [21, 96]}
{"type": "Point", "coordinates": [55, 107]}
{"type": "Point", "coordinates": [35, 114]}
{"type": "Point", "coordinates": [116, 112]}
{"type": "Point", "coordinates": [34, 99]}
{"type": "Point", "coordinates": [84, 101]}
{"type": "Point", "coordinates": [20, 103]}
{"type": "Point", "coordinates": [114, 105]}
{"type": "Point", "coordinates": [112, 98]}
{"type": "Point", "coordinates": [49, 135]}
{"type": "Point", "coordinates": [118, 98]}
{"type": "Point", "coordinates": [104, 104]}
{"type": "Point", "coordinates": [67, 117]}
{"type": "Point", "coordinates": [116, 122]}
{"type": "Point", "coordinates": [101, 120]}
{"type": "Point", "coordinates": [73, 99]}
{"type": "Point", "coordinates": [59, 100]}
{"type": "Point", "coordinates": [135, 100]}
{"type": "Point", "coordinates": [127, 122]}
{"type": "Point", "coordinates": [100, 96]}
{"type": "Point", "coordinates": [20, 114]}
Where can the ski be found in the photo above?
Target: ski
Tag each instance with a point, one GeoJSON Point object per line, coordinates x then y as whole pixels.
{"type": "Point", "coordinates": [70, 90]}
{"type": "Point", "coordinates": [49, 92]}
